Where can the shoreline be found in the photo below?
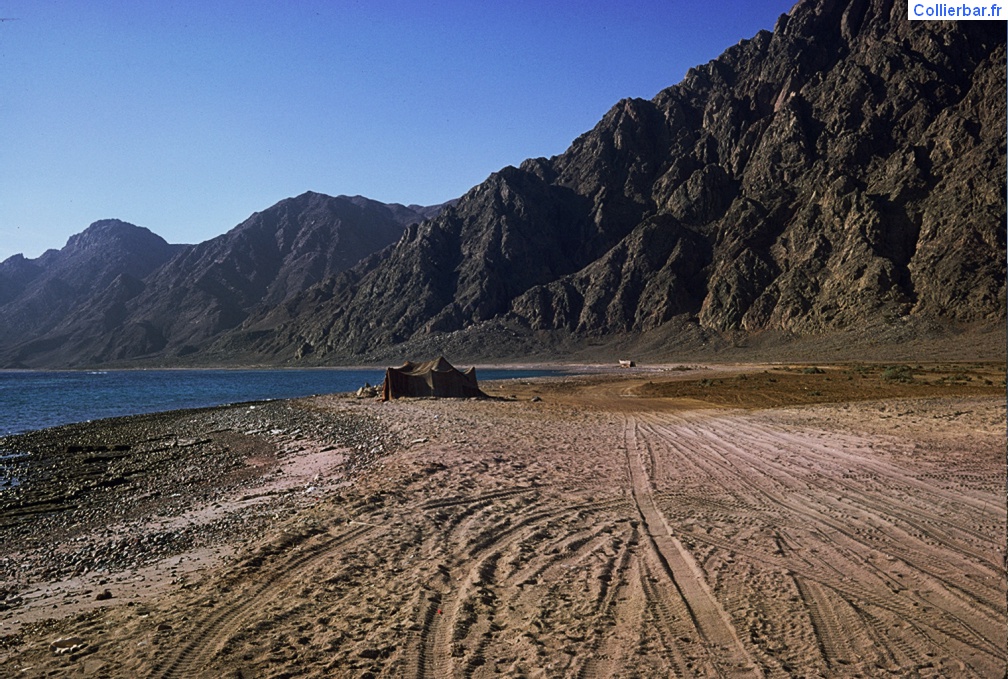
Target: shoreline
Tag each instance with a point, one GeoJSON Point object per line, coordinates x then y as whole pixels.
{"type": "Point", "coordinates": [24, 411]}
{"type": "Point", "coordinates": [686, 369]}
{"type": "Point", "coordinates": [365, 514]}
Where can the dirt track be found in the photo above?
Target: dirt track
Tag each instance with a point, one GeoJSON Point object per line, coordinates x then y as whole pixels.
{"type": "Point", "coordinates": [598, 533]}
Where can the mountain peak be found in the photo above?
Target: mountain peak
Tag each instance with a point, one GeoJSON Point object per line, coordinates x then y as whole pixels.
{"type": "Point", "coordinates": [114, 233]}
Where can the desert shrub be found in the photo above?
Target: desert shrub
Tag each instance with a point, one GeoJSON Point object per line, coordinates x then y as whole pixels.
{"type": "Point", "coordinates": [897, 373]}
{"type": "Point", "coordinates": [813, 370]}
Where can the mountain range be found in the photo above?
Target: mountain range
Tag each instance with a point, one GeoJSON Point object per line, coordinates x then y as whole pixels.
{"type": "Point", "coordinates": [118, 292]}
{"type": "Point", "coordinates": [842, 176]}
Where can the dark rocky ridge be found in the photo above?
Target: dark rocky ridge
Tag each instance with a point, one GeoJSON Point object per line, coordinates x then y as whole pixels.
{"type": "Point", "coordinates": [845, 173]}
{"type": "Point", "coordinates": [100, 263]}
{"type": "Point", "coordinates": [118, 293]}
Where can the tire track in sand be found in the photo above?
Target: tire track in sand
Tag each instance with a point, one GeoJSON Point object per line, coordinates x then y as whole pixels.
{"type": "Point", "coordinates": [215, 630]}
{"type": "Point", "coordinates": [606, 654]}
{"type": "Point", "coordinates": [442, 624]}
{"type": "Point", "coordinates": [859, 545]}
{"type": "Point", "coordinates": [966, 612]}
{"type": "Point", "coordinates": [834, 630]}
{"type": "Point", "coordinates": [712, 623]}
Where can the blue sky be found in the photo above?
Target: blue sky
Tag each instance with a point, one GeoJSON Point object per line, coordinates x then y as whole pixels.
{"type": "Point", "coordinates": [187, 116]}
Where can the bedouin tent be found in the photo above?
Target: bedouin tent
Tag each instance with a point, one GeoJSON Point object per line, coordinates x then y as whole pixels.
{"type": "Point", "coordinates": [436, 378]}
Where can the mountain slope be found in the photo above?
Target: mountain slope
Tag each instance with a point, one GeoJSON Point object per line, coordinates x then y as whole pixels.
{"type": "Point", "coordinates": [272, 255]}
{"type": "Point", "coordinates": [35, 295]}
{"type": "Point", "coordinates": [166, 301]}
{"type": "Point", "coordinates": [844, 172]}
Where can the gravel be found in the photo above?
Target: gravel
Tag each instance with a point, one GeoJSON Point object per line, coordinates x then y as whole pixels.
{"type": "Point", "coordinates": [122, 493]}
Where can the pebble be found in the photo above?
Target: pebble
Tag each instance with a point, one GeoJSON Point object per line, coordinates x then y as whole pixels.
{"type": "Point", "coordinates": [67, 645]}
{"type": "Point", "coordinates": [91, 493]}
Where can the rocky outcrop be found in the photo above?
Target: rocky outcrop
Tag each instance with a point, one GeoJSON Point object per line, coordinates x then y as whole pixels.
{"type": "Point", "coordinates": [825, 179]}
{"type": "Point", "coordinates": [262, 262]}
{"type": "Point", "coordinates": [37, 295]}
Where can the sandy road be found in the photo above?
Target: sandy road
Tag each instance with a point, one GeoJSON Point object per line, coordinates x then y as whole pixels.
{"type": "Point", "coordinates": [626, 537]}
{"type": "Point", "coordinates": [890, 569]}
{"type": "Point", "coordinates": [708, 618]}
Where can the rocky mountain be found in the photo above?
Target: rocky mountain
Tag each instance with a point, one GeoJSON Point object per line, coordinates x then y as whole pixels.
{"type": "Point", "coordinates": [842, 176]}
{"type": "Point", "coordinates": [36, 295]}
{"type": "Point", "coordinates": [117, 292]}
{"type": "Point", "coordinates": [263, 261]}
{"type": "Point", "coordinates": [845, 172]}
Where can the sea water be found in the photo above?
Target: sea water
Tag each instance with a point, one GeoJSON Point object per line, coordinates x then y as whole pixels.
{"type": "Point", "coordinates": [31, 399]}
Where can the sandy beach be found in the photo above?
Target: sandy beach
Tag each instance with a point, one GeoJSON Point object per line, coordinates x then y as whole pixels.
{"type": "Point", "coordinates": [681, 520]}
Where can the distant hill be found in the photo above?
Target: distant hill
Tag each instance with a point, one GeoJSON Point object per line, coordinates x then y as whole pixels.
{"type": "Point", "coordinates": [117, 292]}
{"type": "Point", "coordinates": [107, 260]}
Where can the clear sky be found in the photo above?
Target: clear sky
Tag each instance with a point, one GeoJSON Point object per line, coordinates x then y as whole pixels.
{"type": "Point", "coordinates": [186, 116]}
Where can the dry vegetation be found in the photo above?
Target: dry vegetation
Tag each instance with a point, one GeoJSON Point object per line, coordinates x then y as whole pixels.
{"type": "Point", "coordinates": [809, 384]}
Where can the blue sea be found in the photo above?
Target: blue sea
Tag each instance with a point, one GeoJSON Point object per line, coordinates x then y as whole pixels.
{"type": "Point", "coordinates": [38, 399]}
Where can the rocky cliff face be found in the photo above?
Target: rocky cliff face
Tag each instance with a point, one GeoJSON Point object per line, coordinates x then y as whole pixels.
{"type": "Point", "coordinates": [844, 171]}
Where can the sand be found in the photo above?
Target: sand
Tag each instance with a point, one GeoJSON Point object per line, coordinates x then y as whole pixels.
{"type": "Point", "coordinates": [666, 521]}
